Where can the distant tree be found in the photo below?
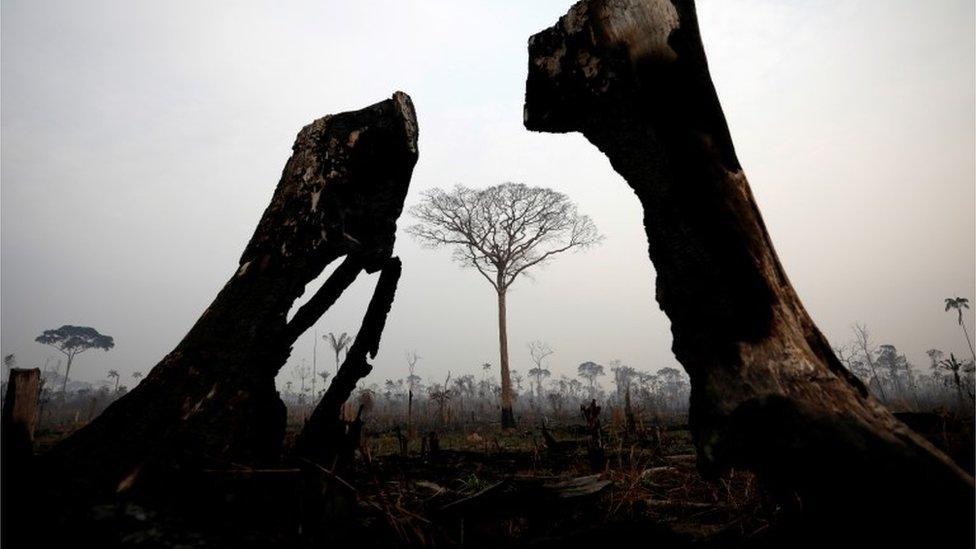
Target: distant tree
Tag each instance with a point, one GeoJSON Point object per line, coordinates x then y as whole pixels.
{"type": "Point", "coordinates": [623, 375]}
{"type": "Point", "coordinates": [862, 340]}
{"type": "Point", "coordinates": [590, 371]}
{"type": "Point", "coordinates": [114, 374]}
{"type": "Point", "coordinates": [502, 231]}
{"type": "Point", "coordinates": [325, 377]}
{"type": "Point", "coordinates": [71, 341]}
{"type": "Point", "coordinates": [889, 359]}
{"type": "Point", "coordinates": [517, 380]}
{"type": "Point", "coordinates": [955, 367]}
{"type": "Point", "coordinates": [441, 395]}
{"type": "Point", "coordinates": [464, 386]}
{"type": "Point", "coordinates": [848, 358]}
{"type": "Point", "coordinates": [958, 304]}
{"type": "Point", "coordinates": [539, 374]}
{"type": "Point", "coordinates": [136, 375]}
{"type": "Point", "coordinates": [301, 372]}
{"type": "Point", "coordinates": [556, 399]}
{"type": "Point", "coordinates": [412, 380]}
{"type": "Point", "coordinates": [673, 383]}
{"type": "Point", "coordinates": [539, 351]}
{"type": "Point", "coordinates": [338, 344]}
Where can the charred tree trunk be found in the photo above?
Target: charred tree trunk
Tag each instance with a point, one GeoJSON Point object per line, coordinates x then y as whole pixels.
{"type": "Point", "coordinates": [322, 437]}
{"type": "Point", "coordinates": [768, 393]}
{"type": "Point", "coordinates": [594, 445]}
{"type": "Point", "coordinates": [212, 400]}
{"type": "Point", "coordinates": [20, 414]}
{"type": "Point", "coordinates": [18, 502]}
{"type": "Point", "coordinates": [631, 421]}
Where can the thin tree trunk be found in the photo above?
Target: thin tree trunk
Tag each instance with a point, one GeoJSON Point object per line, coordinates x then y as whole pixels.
{"type": "Point", "coordinates": [959, 393]}
{"type": "Point", "coordinates": [409, 413]}
{"type": "Point", "coordinates": [867, 356]}
{"type": "Point", "coordinates": [508, 417]}
{"type": "Point", "coordinates": [67, 369]}
{"type": "Point", "coordinates": [968, 340]}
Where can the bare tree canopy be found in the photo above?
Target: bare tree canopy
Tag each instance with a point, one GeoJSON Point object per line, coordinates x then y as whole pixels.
{"type": "Point", "coordinates": [503, 230]}
{"type": "Point", "coordinates": [540, 350]}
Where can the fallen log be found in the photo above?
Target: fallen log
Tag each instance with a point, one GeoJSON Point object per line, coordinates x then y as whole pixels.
{"type": "Point", "coordinates": [212, 401]}
{"type": "Point", "coordinates": [768, 394]}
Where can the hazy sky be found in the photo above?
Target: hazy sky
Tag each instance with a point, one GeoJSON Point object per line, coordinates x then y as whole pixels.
{"type": "Point", "coordinates": [141, 142]}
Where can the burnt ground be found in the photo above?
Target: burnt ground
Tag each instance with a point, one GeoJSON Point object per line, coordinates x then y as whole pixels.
{"type": "Point", "coordinates": [476, 486]}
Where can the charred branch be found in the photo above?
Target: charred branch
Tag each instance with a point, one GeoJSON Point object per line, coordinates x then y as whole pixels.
{"type": "Point", "coordinates": [322, 437]}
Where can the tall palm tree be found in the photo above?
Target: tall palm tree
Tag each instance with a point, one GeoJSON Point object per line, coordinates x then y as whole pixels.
{"type": "Point", "coordinates": [338, 344]}
{"type": "Point", "coordinates": [960, 303]}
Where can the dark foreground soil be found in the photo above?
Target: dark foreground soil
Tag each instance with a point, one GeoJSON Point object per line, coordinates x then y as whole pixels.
{"type": "Point", "coordinates": [475, 486]}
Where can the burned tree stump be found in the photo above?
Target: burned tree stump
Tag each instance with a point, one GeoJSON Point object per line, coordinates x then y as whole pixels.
{"type": "Point", "coordinates": [212, 400]}
{"type": "Point", "coordinates": [18, 501]}
{"type": "Point", "coordinates": [594, 445]}
{"type": "Point", "coordinates": [768, 393]}
{"type": "Point", "coordinates": [20, 412]}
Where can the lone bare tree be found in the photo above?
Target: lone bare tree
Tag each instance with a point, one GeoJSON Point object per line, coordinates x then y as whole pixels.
{"type": "Point", "coordinates": [72, 341]}
{"type": "Point", "coordinates": [540, 350]}
{"type": "Point", "coordinates": [502, 231]}
{"type": "Point", "coordinates": [412, 379]}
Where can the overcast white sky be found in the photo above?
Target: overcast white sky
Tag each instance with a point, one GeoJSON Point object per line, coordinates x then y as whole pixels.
{"type": "Point", "coordinates": [141, 142]}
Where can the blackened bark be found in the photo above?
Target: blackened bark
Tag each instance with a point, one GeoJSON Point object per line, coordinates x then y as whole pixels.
{"type": "Point", "coordinates": [212, 400]}
{"type": "Point", "coordinates": [768, 393]}
{"type": "Point", "coordinates": [20, 413]}
{"type": "Point", "coordinates": [322, 437]}
{"type": "Point", "coordinates": [19, 498]}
